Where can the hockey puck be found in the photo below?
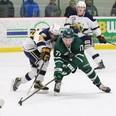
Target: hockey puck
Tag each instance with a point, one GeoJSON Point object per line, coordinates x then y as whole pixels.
{"type": "Point", "coordinates": [2, 102]}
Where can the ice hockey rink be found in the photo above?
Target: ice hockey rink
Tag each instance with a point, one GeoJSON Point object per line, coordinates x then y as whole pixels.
{"type": "Point", "coordinates": [78, 96]}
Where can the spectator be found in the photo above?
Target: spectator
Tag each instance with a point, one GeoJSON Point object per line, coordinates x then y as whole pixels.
{"type": "Point", "coordinates": [29, 9]}
{"type": "Point", "coordinates": [70, 9]}
{"type": "Point", "coordinates": [91, 8]}
{"type": "Point", "coordinates": [6, 8]}
{"type": "Point", "coordinates": [52, 10]}
{"type": "Point", "coordinates": [113, 10]}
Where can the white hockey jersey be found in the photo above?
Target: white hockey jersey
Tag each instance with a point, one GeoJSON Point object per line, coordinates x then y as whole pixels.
{"type": "Point", "coordinates": [86, 24]}
{"type": "Point", "coordinates": [40, 39]}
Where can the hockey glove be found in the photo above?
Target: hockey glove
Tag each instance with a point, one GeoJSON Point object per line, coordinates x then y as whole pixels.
{"type": "Point", "coordinates": [58, 74]}
{"type": "Point", "coordinates": [68, 69]}
{"type": "Point", "coordinates": [45, 54]}
{"type": "Point", "coordinates": [101, 39]}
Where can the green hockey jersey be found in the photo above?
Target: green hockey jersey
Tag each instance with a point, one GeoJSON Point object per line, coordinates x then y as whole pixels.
{"type": "Point", "coordinates": [73, 55]}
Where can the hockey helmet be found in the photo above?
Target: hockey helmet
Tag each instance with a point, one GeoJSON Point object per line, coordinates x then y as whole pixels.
{"type": "Point", "coordinates": [68, 33]}
{"type": "Point", "coordinates": [81, 4]}
{"type": "Point", "coordinates": [55, 29]}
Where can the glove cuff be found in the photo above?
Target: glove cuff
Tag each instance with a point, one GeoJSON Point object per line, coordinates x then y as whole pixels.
{"type": "Point", "coordinates": [58, 69]}
{"type": "Point", "coordinates": [71, 67]}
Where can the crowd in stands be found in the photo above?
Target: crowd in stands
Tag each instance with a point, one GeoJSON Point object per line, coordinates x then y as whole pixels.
{"type": "Point", "coordinates": [113, 10]}
{"type": "Point", "coordinates": [6, 8]}
{"type": "Point", "coordinates": [30, 8]}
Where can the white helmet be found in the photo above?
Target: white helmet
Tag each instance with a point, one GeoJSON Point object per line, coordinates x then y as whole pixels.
{"type": "Point", "coordinates": [81, 4]}
{"type": "Point", "coordinates": [55, 29]}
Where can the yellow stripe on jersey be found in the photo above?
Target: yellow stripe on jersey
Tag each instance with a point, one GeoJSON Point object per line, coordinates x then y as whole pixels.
{"type": "Point", "coordinates": [32, 34]}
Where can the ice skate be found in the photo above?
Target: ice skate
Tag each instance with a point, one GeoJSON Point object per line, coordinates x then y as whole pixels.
{"type": "Point", "coordinates": [100, 66]}
{"type": "Point", "coordinates": [39, 85]}
{"type": "Point", "coordinates": [57, 88]}
{"type": "Point", "coordinates": [104, 88]}
{"type": "Point", "coordinates": [16, 83]}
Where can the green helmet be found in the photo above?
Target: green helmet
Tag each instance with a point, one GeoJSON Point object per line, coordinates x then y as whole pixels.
{"type": "Point", "coordinates": [68, 33]}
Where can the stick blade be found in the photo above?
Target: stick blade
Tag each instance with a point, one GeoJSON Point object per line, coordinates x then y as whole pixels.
{"type": "Point", "coordinates": [20, 101]}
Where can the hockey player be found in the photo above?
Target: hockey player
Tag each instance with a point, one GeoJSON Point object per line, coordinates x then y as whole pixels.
{"type": "Point", "coordinates": [85, 25]}
{"type": "Point", "coordinates": [37, 48]}
{"type": "Point", "coordinates": [68, 55]}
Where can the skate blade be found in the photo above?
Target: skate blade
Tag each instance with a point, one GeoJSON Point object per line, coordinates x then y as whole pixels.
{"type": "Point", "coordinates": [96, 68]}
{"type": "Point", "coordinates": [41, 91]}
{"type": "Point", "coordinates": [100, 70]}
{"type": "Point", "coordinates": [56, 94]}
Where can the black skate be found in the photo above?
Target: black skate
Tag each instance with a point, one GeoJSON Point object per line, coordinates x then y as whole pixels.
{"type": "Point", "coordinates": [100, 66]}
{"type": "Point", "coordinates": [57, 88]}
{"type": "Point", "coordinates": [16, 83]}
{"type": "Point", "coordinates": [104, 88]}
{"type": "Point", "coordinates": [39, 85]}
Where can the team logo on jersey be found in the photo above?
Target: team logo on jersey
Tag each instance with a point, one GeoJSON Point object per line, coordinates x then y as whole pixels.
{"type": "Point", "coordinates": [44, 35]}
{"type": "Point", "coordinates": [40, 38]}
{"type": "Point", "coordinates": [80, 28]}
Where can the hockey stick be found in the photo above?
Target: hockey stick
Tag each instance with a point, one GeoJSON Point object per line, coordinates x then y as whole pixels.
{"type": "Point", "coordinates": [22, 100]}
{"type": "Point", "coordinates": [35, 78]}
{"type": "Point", "coordinates": [111, 43]}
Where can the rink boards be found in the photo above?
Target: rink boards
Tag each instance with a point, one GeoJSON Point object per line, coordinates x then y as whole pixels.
{"type": "Point", "coordinates": [13, 31]}
{"type": "Point", "coordinates": [97, 47]}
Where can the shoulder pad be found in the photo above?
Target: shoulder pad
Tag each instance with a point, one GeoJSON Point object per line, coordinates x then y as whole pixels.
{"type": "Point", "coordinates": [88, 15]}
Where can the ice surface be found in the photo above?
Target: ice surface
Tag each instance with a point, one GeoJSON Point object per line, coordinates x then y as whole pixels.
{"type": "Point", "coordinates": [78, 97]}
